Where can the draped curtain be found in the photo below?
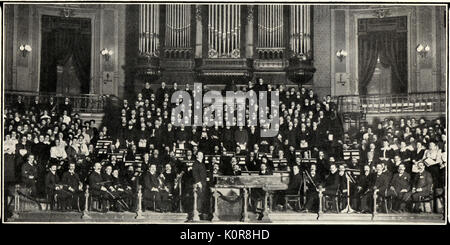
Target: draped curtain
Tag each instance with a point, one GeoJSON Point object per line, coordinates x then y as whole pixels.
{"type": "Point", "coordinates": [58, 46]}
{"type": "Point", "coordinates": [390, 48]}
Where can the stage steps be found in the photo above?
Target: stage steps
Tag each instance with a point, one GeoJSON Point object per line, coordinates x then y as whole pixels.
{"type": "Point", "coordinates": [288, 217]}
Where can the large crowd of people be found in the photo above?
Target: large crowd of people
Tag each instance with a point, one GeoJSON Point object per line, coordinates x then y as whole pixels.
{"type": "Point", "coordinates": [52, 152]}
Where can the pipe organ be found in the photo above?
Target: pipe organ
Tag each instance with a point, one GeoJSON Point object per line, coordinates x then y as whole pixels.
{"type": "Point", "coordinates": [149, 29]}
{"type": "Point", "coordinates": [178, 26]}
{"type": "Point", "coordinates": [270, 26]}
{"type": "Point", "coordinates": [224, 31]}
{"type": "Point", "coordinates": [300, 29]}
{"type": "Point", "coordinates": [228, 39]}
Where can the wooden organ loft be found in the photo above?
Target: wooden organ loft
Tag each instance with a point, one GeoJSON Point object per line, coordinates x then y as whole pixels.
{"type": "Point", "coordinates": [219, 43]}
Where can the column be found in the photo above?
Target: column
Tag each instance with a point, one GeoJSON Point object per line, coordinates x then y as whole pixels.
{"type": "Point", "coordinates": [249, 37]}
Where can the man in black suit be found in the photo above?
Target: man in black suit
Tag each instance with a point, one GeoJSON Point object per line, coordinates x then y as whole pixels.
{"type": "Point", "coordinates": [72, 184]}
{"type": "Point", "coordinates": [331, 186]}
{"type": "Point", "coordinates": [199, 175]}
{"type": "Point", "coordinates": [422, 185]}
{"type": "Point", "coordinates": [295, 182]}
{"type": "Point", "coordinates": [53, 189]}
{"type": "Point", "coordinates": [151, 190]}
{"type": "Point", "coordinates": [363, 183]}
{"type": "Point", "coordinates": [380, 182]}
{"type": "Point", "coordinates": [98, 188]}
{"type": "Point", "coordinates": [399, 189]}
{"type": "Point", "coordinates": [29, 174]}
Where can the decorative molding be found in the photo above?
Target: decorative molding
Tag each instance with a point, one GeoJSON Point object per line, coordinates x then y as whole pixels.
{"type": "Point", "coordinates": [67, 13]}
{"type": "Point", "coordinates": [198, 12]}
{"type": "Point", "coordinates": [250, 14]}
{"type": "Point", "coordinates": [381, 13]}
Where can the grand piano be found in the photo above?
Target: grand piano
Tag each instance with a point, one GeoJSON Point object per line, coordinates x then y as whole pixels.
{"type": "Point", "coordinates": [244, 184]}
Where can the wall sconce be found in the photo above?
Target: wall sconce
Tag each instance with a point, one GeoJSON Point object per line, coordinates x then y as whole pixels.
{"type": "Point", "coordinates": [423, 51]}
{"type": "Point", "coordinates": [106, 53]}
{"type": "Point", "coordinates": [341, 54]}
{"type": "Point", "coordinates": [25, 49]}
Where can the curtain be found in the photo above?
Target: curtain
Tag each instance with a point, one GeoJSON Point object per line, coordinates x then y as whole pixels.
{"type": "Point", "coordinates": [391, 49]}
{"type": "Point", "coordinates": [367, 59]}
{"type": "Point", "coordinates": [393, 53]}
{"type": "Point", "coordinates": [57, 47]}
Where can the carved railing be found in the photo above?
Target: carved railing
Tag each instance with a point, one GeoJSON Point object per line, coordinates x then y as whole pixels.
{"type": "Point", "coordinates": [393, 103]}
{"type": "Point", "coordinates": [91, 103]}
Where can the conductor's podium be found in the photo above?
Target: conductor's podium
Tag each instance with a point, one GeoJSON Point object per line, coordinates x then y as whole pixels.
{"type": "Point", "coordinates": [231, 193]}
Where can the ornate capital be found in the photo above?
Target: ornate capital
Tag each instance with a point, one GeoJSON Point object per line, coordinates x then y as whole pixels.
{"type": "Point", "coordinates": [250, 13]}
{"type": "Point", "coordinates": [198, 13]}
{"type": "Point", "coordinates": [381, 13]}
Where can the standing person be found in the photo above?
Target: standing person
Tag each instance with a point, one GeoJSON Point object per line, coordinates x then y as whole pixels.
{"type": "Point", "coordinates": [199, 177]}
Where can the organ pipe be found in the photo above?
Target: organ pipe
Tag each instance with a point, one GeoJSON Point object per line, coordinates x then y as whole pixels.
{"type": "Point", "coordinates": [178, 26]}
{"type": "Point", "coordinates": [223, 30]}
{"type": "Point", "coordinates": [149, 29]}
{"type": "Point", "coordinates": [270, 26]}
{"type": "Point", "coordinates": [300, 29]}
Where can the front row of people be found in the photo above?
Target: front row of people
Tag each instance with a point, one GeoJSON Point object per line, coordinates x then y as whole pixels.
{"type": "Point", "coordinates": [160, 191]}
{"type": "Point", "coordinates": [403, 192]}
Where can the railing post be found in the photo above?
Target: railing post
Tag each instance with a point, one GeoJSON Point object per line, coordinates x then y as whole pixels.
{"type": "Point", "coordinates": [216, 206]}
{"type": "Point", "coordinates": [16, 210]}
{"type": "Point", "coordinates": [266, 205]}
{"type": "Point", "coordinates": [244, 205]}
{"type": "Point", "coordinates": [139, 203]}
{"type": "Point", "coordinates": [320, 201]}
{"type": "Point", "coordinates": [375, 197]}
{"type": "Point", "coordinates": [195, 208]}
{"type": "Point", "coordinates": [85, 213]}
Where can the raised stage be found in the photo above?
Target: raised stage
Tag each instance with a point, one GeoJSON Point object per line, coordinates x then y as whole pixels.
{"type": "Point", "coordinates": [288, 217]}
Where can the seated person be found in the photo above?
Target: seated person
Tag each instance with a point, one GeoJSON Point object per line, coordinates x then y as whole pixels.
{"type": "Point", "coordinates": [380, 182]}
{"type": "Point", "coordinates": [152, 193]}
{"type": "Point", "coordinates": [29, 174]}
{"type": "Point", "coordinates": [421, 187]}
{"type": "Point", "coordinates": [399, 189]}
{"type": "Point", "coordinates": [73, 186]}
{"type": "Point", "coordinates": [312, 194]}
{"type": "Point", "coordinates": [123, 192]}
{"type": "Point", "coordinates": [54, 189]}
{"type": "Point", "coordinates": [331, 185]}
{"type": "Point", "coordinates": [363, 183]}
{"type": "Point", "coordinates": [97, 187]}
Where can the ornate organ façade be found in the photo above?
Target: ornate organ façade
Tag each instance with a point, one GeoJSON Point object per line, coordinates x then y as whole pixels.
{"type": "Point", "coordinates": [224, 40]}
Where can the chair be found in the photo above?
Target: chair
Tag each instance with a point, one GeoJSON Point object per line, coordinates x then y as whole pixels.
{"type": "Point", "coordinates": [428, 199]}
{"type": "Point", "coordinates": [292, 198]}
{"type": "Point", "coordinates": [327, 202]}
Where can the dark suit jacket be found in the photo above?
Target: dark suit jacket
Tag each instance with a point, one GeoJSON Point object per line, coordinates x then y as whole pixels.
{"type": "Point", "coordinates": [295, 182]}
{"type": "Point", "coordinates": [71, 180]}
{"type": "Point", "coordinates": [423, 180]}
{"type": "Point", "coordinates": [199, 173]}
{"type": "Point", "coordinates": [95, 180]}
{"type": "Point", "coordinates": [150, 181]}
{"type": "Point", "coordinates": [332, 182]}
{"type": "Point", "coordinates": [51, 180]}
{"type": "Point", "coordinates": [381, 182]}
{"type": "Point", "coordinates": [401, 182]}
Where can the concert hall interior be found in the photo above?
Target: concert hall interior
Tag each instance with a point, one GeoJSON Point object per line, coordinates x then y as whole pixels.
{"type": "Point", "coordinates": [225, 112]}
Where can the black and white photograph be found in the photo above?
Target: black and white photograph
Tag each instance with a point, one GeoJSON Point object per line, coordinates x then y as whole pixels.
{"type": "Point", "coordinates": [234, 112]}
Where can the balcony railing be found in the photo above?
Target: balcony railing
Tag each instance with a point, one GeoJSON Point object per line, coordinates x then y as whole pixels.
{"type": "Point", "coordinates": [87, 103]}
{"type": "Point", "coordinates": [393, 103]}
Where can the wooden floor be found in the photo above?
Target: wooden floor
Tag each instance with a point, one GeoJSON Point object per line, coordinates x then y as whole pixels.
{"type": "Point", "coordinates": [288, 217]}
